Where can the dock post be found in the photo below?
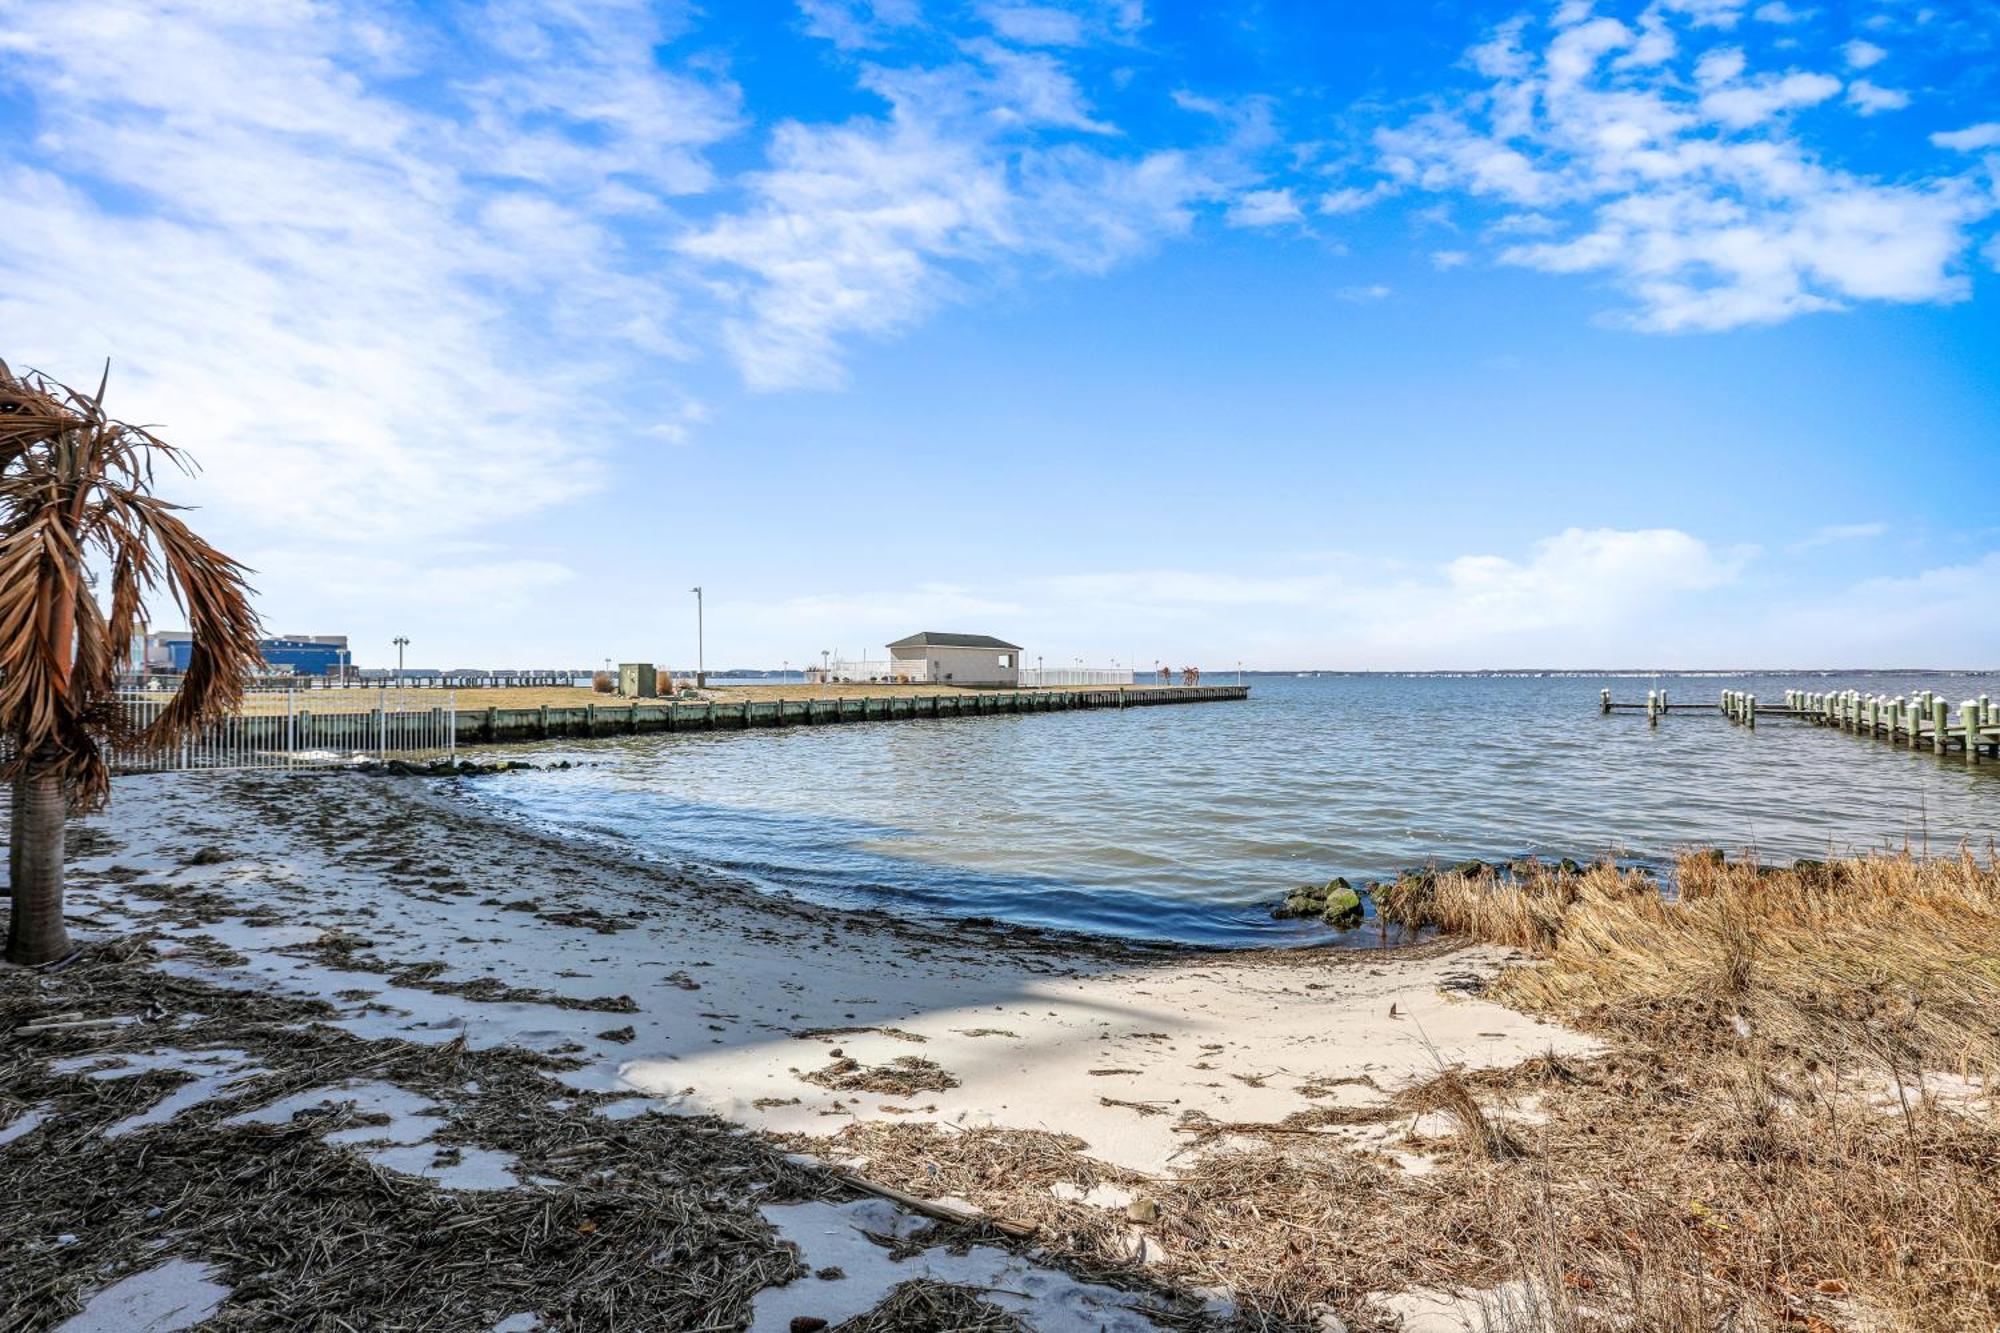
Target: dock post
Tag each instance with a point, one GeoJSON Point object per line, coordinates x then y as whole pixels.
{"type": "Point", "coordinates": [1603, 700]}
{"type": "Point", "coordinates": [1750, 711]}
{"type": "Point", "coordinates": [1652, 708]}
{"type": "Point", "coordinates": [1939, 719]}
{"type": "Point", "coordinates": [1968, 713]}
{"type": "Point", "coordinates": [1722, 703]}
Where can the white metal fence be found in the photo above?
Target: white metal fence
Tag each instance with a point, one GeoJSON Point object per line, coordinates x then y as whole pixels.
{"type": "Point", "coordinates": [1036, 678]}
{"type": "Point", "coordinates": [291, 729]}
{"type": "Point", "coordinates": [862, 670]}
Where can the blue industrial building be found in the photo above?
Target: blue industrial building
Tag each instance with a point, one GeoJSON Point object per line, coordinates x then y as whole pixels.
{"type": "Point", "coordinates": [297, 654]}
{"type": "Point", "coordinates": [320, 655]}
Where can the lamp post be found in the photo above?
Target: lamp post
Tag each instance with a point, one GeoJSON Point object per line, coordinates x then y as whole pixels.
{"type": "Point", "coordinates": [1041, 681]}
{"type": "Point", "coordinates": [700, 644]}
{"type": "Point", "coordinates": [401, 643]}
{"type": "Point", "coordinates": [825, 667]}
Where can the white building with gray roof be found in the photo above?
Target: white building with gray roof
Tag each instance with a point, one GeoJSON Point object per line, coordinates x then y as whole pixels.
{"type": "Point", "coordinates": [959, 659]}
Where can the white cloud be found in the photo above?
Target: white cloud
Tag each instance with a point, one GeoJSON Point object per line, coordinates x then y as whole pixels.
{"type": "Point", "coordinates": [859, 24]}
{"type": "Point", "coordinates": [1371, 292]}
{"type": "Point", "coordinates": [1353, 199]}
{"type": "Point", "coordinates": [1446, 260]}
{"type": "Point", "coordinates": [1945, 610]}
{"type": "Point", "coordinates": [1685, 180]}
{"type": "Point", "coordinates": [1707, 13]}
{"type": "Point", "coordinates": [1585, 589]}
{"type": "Point", "coordinates": [1869, 98]}
{"type": "Point", "coordinates": [1034, 25]}
{"type": "Point", "coordinates": [1863, 55]}
{"type": "Point", "coordinates": [1264, 208]}
{"type": "Point", "coordinates": [1777, 11]}
{"type": "Point", "coordinates": [1583, 596]}
{"type": "Point", "coordinates": [340, 299]}
{"type": "Point", "coordinates": [1740, 105]}
{"type": "Point", "coordinates": [1971, 139]}
{"type": "Point", "coordinates": [1841, 532]}
{"type": "Point", "coordinates": [861, 228]}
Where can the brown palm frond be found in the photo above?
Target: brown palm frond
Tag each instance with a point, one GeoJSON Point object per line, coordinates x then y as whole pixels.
{"type": "Point", "coordinates": [29, 413]}
{"type": "Point", "coordinates": [76, 494]}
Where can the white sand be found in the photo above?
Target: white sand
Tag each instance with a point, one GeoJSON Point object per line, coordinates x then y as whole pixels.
{"type": "Point", "coordinates": [725, 980]}
{"type": "Point", "coordinates": [172, 1296]}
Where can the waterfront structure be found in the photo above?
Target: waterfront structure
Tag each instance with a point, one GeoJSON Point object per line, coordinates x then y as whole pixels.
{"type": "Point", "coordinates": [959, 659]}
{"type": "Point", "coordinates": [1922, 721]}
{"type": "Point", "coordinates": [306, 654]}
{"type": "Point", "coordinates": [320, 727]}
{"type": "Point", "coordinates": [288, 654]}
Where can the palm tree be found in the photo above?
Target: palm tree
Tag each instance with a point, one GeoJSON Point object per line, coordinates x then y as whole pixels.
{"type": "Point", "coordinates": [76, 507]}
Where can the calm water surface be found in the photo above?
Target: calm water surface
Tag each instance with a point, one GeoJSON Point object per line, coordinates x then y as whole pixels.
{"type": "Point", "coordinates": [1186, 822]}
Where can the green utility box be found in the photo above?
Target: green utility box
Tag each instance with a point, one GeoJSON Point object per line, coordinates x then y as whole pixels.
{"type": "Point", "coordinates": [638, 680]}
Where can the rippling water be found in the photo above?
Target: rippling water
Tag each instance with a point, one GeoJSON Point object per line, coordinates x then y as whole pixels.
{"type": "Point", "coordinates": [1186, 822]}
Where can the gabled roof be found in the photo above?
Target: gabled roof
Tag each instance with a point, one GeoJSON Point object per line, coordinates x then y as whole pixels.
{"type": "Point", "coordinates": [932, 639]}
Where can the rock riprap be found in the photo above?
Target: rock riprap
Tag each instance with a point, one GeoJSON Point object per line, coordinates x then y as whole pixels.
{"type": "Point", "coordinates": [1336, 902]}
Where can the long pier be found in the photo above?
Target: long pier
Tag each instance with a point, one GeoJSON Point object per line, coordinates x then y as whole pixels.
{"type": "Point", "coordinates": [1922, 721]}
{"type": "Point", "coordinates": [300, 737]}
{"type": "Point", "coordinates": [493, 725]}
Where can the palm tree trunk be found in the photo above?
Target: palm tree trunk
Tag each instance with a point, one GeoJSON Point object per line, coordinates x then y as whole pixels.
{"type": "Point", "coordinates": [35, 932]}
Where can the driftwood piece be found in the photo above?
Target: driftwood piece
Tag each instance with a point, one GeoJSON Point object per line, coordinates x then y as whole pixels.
{"type": "Point", "coordinates": [68, 1025]}
{"type": "Point", "coordinates": [943, 1212]}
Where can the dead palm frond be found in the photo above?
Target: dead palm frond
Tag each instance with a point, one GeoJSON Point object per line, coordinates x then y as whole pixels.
{"type": "Point", "coordinates": [76, 496]}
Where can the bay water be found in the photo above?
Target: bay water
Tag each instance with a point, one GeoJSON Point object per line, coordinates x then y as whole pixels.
{"type": "Point", "coordinates": [1186, 823]}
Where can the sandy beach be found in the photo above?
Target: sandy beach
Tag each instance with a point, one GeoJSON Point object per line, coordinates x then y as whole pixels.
{"type": "Point", "coordinates": [652, 988]}
{"type": "Point", "coordinates": [739, 999]}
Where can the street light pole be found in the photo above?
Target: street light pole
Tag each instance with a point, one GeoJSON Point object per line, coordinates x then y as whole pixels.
{"type": "Point", "coordinates": [825, 669]}
{"type": "Point", "coordinates": [401, 643]}
{"type": "Point", "coordinates": [701, 645]}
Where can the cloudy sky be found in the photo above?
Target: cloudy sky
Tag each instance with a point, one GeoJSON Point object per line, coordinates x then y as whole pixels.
{"type": "Point", "coordinates": [1295, 332]}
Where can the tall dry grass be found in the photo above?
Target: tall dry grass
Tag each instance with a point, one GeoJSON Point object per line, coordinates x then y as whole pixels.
{"type": "Point", "coordinates": [1771, 1143]}
{"type": "Point", "coordinates": [1764, 1143]}
{"type": "Point", "coordinates": [1889, 959]}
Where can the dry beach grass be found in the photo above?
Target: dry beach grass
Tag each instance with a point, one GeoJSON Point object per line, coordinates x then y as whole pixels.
{"type": "Point", "coordinates": [1790, 1128]}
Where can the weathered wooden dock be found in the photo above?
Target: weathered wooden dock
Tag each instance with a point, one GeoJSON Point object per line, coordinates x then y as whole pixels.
{"type": "Point", "coordinates": [1922, 721]}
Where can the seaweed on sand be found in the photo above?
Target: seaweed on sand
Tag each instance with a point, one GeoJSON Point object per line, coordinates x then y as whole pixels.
{"type": "Point", "coordinates": [650, 1222]}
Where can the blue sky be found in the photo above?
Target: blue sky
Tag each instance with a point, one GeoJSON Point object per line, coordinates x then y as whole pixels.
{"type": "Point", "coordinates": [1302, 334]}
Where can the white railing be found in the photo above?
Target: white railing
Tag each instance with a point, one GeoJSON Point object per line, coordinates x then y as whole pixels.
{"type": "Point", "coordinates": [864, 670]}
{"type": "Point", "coordinates": [1037, 678]}
{"type": "Point", "coordinates": [293, 729]}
